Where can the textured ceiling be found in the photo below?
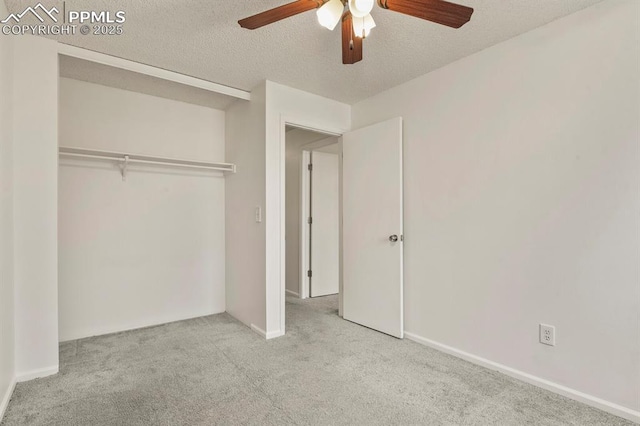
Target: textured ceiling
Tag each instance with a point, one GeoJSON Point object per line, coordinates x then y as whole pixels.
{"type": "Point", "coordinates": [202, 38]}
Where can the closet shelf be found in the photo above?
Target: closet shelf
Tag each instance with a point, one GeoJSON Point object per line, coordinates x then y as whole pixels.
{"type": "Point", "coordinates": [125, 159]}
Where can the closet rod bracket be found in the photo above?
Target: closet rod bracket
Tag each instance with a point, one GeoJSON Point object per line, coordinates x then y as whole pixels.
{"type": "Point", "coordinates": [123, 168]}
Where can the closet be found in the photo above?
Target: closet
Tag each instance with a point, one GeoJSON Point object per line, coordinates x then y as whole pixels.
{"type": "Point", "coordinates": [141, 195]}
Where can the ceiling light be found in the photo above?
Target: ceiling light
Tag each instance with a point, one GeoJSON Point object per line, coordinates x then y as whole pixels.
{"type": "Point", "coordinates": [360, 8]}
{"type": "Point", "coordinates": [362, 26]}
{"type": "Point", "coordinates": [330, 13]}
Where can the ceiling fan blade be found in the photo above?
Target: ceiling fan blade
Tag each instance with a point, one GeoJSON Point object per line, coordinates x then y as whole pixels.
{"type": "Point", "coordinates": [279, 13]}
{"type": "Point", "coordinates": [351, 45]}
{"type": "Point", "coordinates": [438, 11]}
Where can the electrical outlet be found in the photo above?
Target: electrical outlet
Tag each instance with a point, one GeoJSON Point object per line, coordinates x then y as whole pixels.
{"type": "Point", "coordinates": [547, 334]}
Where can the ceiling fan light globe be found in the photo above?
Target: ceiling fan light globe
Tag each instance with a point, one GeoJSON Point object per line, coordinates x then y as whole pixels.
{"type": "Point", "coordinates": [362, 26]}
{"type": "Point", "coordinates": [360, 8]}
{"type": "Point", "coordinates": [330, 13]}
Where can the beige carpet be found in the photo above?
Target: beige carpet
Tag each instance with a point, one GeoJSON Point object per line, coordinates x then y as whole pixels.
{"type": "Point", "coordinates": [325, 371]}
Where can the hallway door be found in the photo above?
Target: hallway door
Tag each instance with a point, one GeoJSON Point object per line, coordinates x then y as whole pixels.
{"type": "Point", "coordinates": [325, 224]}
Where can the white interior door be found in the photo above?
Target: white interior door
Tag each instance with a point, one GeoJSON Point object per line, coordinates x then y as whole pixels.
{"type": "Point", "coordinates": [372, 227]}
{"type": "Point", "coordinates": [325, 226]}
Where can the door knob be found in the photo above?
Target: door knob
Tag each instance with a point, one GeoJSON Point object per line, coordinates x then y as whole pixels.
{"type": "Point", "coordinates": [393, 238]}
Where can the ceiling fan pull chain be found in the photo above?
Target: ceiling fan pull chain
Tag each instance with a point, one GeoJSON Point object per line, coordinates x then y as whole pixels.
{"type": "Point", "coordinates": [351, 36]}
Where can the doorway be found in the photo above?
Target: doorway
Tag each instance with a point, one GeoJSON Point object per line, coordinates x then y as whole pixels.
{"type": "Point", "coordinates": [312, 188]}
{"type": "Point", "coordinates": [370, 225]}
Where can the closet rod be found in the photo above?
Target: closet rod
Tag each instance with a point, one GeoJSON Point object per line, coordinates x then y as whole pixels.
{"type": "Point", "coordinates": [144, 159]}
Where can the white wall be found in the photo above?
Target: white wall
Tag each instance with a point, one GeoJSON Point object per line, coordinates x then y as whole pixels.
{"type": "Point", "coordinates": [7, 343]}
{"type": "Point", "coordinates": [35, 175]}
{"type": "Point", "coordinates": [125, 121]}
{"type": "Point", "coordinates": [245, 243]}
{"type": "Point", "coordinates": [307, 110]}
{"type": "Point", "coordinates": [521, 183]}
{"type": "Point", "coordinates": [149, 250]}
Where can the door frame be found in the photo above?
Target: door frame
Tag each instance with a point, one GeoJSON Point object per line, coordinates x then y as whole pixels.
{"type": "Point", "coordinates": [305, 195]}
{"type": "Point", "coordinates": [304, 124]}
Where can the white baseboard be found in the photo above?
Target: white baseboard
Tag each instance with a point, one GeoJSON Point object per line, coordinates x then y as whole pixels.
{"type": "Point", "coordinates": [293, 293]}
{"type": "Point", "coordinates": [591, 400]}
{"type": "Point", "coordinates": [259, 330]}
{"type": "Point", "coordinates": [36, 374]}
{"type": "Point", "coordinates": [67, 336]}
{"type": "Point", "coordinates": [274, 334]}
{"type": "Point", "coordinates": [269, 335]}
{"type": "Point", "coordinates": [6, 398]}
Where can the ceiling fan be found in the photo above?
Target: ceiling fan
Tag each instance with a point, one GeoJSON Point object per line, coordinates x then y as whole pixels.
{"type": "Point", "coordinates": [356, 17]}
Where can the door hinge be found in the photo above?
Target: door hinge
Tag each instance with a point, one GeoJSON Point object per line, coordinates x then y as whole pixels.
{"type": "Point", "coordinates": [310, 220]}
{"type": "Point", "coordinates": [310, 167]}
{"type": "Point", "coordinates": [309, 274]}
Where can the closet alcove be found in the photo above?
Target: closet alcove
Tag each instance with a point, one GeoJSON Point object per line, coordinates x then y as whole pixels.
{"type": "Point", "coordinates": [141, 195]}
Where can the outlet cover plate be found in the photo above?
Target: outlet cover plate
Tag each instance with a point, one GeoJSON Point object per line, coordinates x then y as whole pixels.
{"type": "Point", "coordinates": [547, 334]}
